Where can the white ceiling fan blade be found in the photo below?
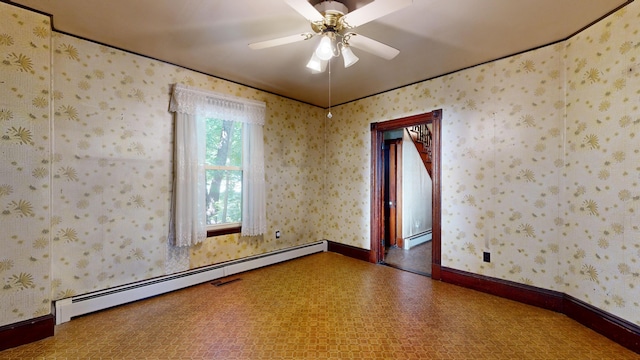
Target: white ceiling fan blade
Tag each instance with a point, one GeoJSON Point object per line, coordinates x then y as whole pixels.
{"type": "Point", "coordinates": [280, 41]}
{"type": "Point", "coordinates": [372, 46]}
{"type": "Point", "coordinates": [372, 11]}
{"type": "Point", "coordinates": [305, 9]}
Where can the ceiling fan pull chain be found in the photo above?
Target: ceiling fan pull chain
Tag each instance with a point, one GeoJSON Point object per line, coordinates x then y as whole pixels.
{"type": "Point", "coordinates": [329, 115]}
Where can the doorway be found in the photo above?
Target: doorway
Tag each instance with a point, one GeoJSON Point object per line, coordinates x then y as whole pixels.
{"type": "Point", "coordinates": [377, 253]}
{"type": "Point", "coordinates": [407, 188]}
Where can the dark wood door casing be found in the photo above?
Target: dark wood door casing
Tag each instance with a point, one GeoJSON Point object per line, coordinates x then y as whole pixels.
{"type": "Point", "coordinates": [377, 182]}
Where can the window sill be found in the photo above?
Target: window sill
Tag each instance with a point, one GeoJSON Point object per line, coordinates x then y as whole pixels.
{"type": "Point", "coordinates": [224, 231]}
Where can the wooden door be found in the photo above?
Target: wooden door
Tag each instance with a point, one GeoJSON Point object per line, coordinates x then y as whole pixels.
{"type": "Point", "coordinates": [393, 193]}
{"type": "Point", "coordinates": [393, 198]}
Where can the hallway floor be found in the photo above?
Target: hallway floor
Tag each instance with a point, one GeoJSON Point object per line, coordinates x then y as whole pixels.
{"type": "Point", "coordinates": [417, 259]}
{"type": "Point", "coordinates": [324, 306]}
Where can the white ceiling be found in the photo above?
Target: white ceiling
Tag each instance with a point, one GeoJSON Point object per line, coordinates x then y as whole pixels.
{"type": "Point", "coordinates": [435, 37]}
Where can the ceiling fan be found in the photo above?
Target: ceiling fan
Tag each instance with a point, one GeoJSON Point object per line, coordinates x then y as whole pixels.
{"type": "Point", "coordinates": [333, 23]}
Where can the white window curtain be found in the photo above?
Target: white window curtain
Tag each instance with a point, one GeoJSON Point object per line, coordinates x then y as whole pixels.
{"type": "Point", "coordinates": [192, 106]}
{"type": "Point", "coordinates": [188, 202]}
{"type": "Point", "coordinates": [254, 208]}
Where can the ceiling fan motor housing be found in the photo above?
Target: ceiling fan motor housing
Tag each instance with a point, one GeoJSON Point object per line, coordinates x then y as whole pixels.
{"type": "Point", "coordinates": [332, 12]}
{"type": "Point", "coordinates": [332, 6]}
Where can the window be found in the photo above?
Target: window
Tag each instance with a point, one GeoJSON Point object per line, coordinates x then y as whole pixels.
{"type": "Point", "coordinates": [219, 166]}
{"type": "Point", "coordinates": [223, 174]}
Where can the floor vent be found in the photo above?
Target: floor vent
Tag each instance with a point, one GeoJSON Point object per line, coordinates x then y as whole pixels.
{"type": "Point", "coordinates": [221, 283]}
{"type": "Point", "coordinates": [87, 303]}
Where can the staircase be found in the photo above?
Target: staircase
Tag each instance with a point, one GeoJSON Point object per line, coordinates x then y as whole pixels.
{"type": "Point", "coordinates": [421, 136]}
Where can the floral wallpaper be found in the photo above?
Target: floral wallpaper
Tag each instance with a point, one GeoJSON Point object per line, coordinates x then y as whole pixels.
{"type": "Point", "coordinates": [111, 164]}
{"type": "Point", "coordinates": [105, 173]}
{"type": "Point", "coordinates": [601, 180]}
{"type": "Point", "coordinates": [113, 168]}
{"type": "Point", "coordinates": [25, 167]}
{"type": "Point", "coordinates": [539, 166]}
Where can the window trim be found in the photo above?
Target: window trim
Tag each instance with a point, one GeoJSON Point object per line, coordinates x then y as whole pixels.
{"type": "Point", "coordinates": [222, 167]}
{"type": "Point", "coordinates": [230, 228]}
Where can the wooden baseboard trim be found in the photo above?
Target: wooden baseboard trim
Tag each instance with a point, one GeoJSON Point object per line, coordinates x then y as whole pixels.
{"type": "Point", "coordinates": [619, 330]}
{"type": "Point", "coordinates": [436, 272]}
{"type": "Point", "coordinates": [546, 299]}
{"type": "Point", "coordinates": [25, 332]}
{"type": "Point", "coordinates": [348, 250]}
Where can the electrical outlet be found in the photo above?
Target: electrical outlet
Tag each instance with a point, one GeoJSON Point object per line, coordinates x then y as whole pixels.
{"type": "Point", "coordinates": [486, 256]}
{"type": "Point", "coordinates": [278, 234]}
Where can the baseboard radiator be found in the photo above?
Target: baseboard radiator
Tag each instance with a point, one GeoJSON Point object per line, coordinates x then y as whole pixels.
{"type": "Point", "coordinates": [67, 308]}
{"type": "Point", "coordinates": [417, 239]}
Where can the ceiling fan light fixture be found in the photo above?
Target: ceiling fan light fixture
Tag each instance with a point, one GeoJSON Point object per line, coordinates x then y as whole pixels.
{"type": "Point", "coordinates": [348, 56]}
{"type": "Point", "coordinates": [324, 51]}
{"type": "Point", "coordinates": [316, 64]}
{"type": "Point", "coordinates": [333, 23]}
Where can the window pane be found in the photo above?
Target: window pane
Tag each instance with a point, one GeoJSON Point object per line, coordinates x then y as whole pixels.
{"type": "Point", "coordinates": [224, 143]}
{"type": "Point", "coordinates": [224, 196]}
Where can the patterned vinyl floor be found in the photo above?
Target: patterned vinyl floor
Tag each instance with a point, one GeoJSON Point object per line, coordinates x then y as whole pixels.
{"type": "Point", "coordinates": [324, 306]}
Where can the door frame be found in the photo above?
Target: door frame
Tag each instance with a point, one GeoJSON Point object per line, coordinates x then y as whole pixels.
{"type": "Point", "coordinates": [434, 117]}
